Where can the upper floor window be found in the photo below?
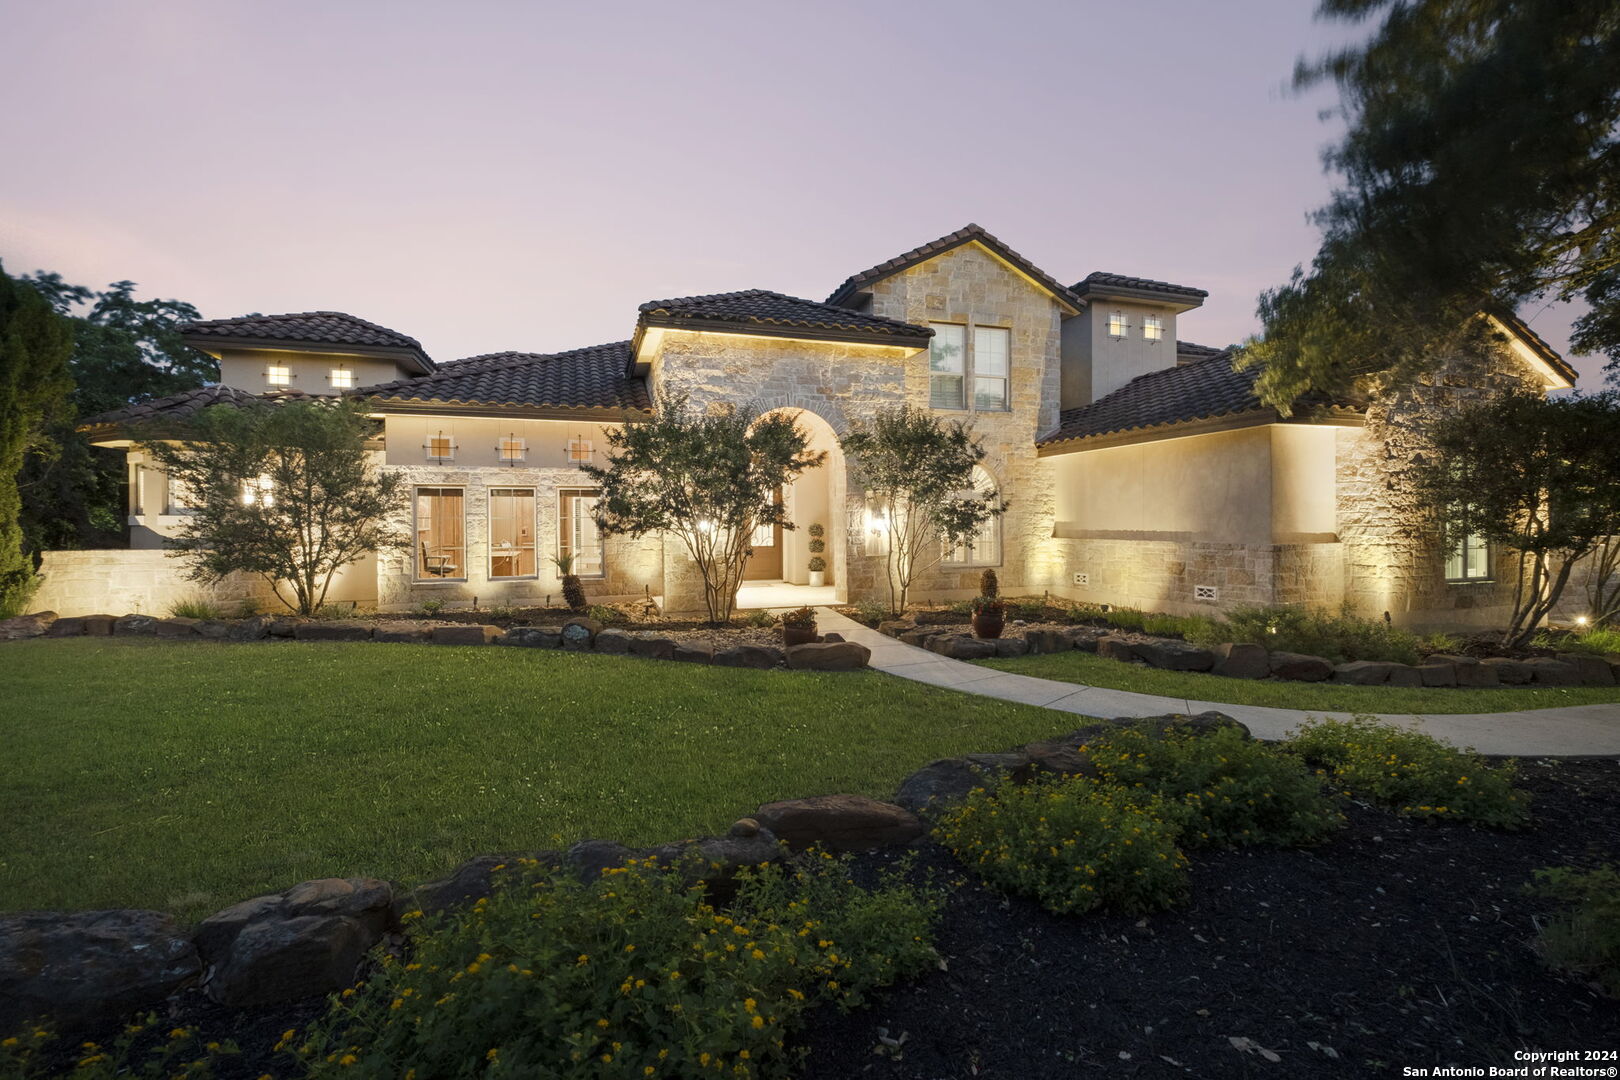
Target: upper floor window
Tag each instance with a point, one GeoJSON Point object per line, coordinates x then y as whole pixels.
{"type": "Point", "coordinates": [947, 366]}
{"type": "Point", "coordinates": [992, 362]}
{"type": "Point", "coordinates": [1117, 324]}
{"type": "Point", "coordinates": [440, 447]}
{"type": "Point", "coordinates": [580, 451]}
{"type": "Point", "coordinates": [953, 367]}
{"type": "Point", "coordinates": [1152, 328]}
{"type": "Point", "coordinates": [278, 374]}
{"type": "Point", "coordinates": [1468, 556]}
{"type": "Point", "coordinates": [259, 492]}
{"type": "Point", "coordinates": [512, 450]}
{"type": "Point", "coordinates": [342, 378]}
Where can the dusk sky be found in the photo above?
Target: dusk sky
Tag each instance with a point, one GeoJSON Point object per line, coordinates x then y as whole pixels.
{"type": "Point", "coordinates": [489, 176]}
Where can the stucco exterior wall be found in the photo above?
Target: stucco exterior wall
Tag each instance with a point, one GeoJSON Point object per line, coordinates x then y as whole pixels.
{"type": "Point", "coordinates": [310, 372]}
{"type": "Point", "coordinates": [1096, 363]}
{"type": "Point", "coordinates": [149, 582]}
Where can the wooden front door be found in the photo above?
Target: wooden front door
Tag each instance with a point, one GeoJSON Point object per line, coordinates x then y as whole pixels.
{"type": "Point", "coordinates": [765, 564]}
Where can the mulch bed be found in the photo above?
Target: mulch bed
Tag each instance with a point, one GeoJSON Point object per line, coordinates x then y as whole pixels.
{"type": "Point", "coordinates": [1396, 944]}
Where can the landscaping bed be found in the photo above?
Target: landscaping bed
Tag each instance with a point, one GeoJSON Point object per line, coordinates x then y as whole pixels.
{"type": "Point", "coordinates": [1396, 943]}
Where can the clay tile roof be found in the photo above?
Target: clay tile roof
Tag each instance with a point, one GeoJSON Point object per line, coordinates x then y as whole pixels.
{"type": "Point", "coordinates": [967, 234]}
{"type": "Point", "coordinates": [331, 328]}
{"type": "Point", "coordinates": [590, 378]}
{"type": "Point", "coordinates": [188, 403]}
{"type": "Point", "coordinates": [1188, 352]}
{"type": "Point", "coordinates": [1102, 282]}
{"type": "Point", "coordinates": [763, 310]}
{"type": "Point", "coordinates": [1201, 390]}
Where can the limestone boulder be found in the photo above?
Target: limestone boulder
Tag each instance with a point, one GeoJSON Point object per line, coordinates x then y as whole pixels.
{"type": "Point", "coordinates": [1509, 671]}
{"type": "Point", "coordinates": [652, 647]}
{"type": "Point", "coordinates": [693, 653]}
{"type": "Point", "coordinates": [1591, 670]}
{"type": "Point", "coordinates": [1301, 667]}
{"type": "Point", "coordinates": [1011, 646]}
{"type": "Point", "coordinates": [1468, 670]}
{"type": "Point", "coordinates": [579, 633]}
{"type": "Point", "coordinates": [176, 627]}
{"type": "Point", "coordinates": [466, 634]}
{"type": "Point", "coordinates": [88, 967]}
{"type": "Point", "coordinates": [1084, 638]}
{"type": "Point", "coordinates": [588, 858]}
{"type": "Point", "coordinates": [1173, 655]}
{"type": "Point", "coordinates": [473, 880]}
{"type": "Point", "coordinates": [961, 646]}
{"type": "Point", "coordinates": [942, 783]}
{"type": "Point", "coordinates": [256, 628]}
{"type": "Point", "coordinates": [286, 625]}
{"type": "Point", "coordinates": [828, 656]}
{"type": "Point", "coordinates": [1241, 660]}
{"type": "Point", "coordinates": [402, 633]}
{"type": "Point", "coordinates": [217, 629]}
{"type": "Point", "coordinates": [1404, 675]}
{"type": "Point", "coordinates": [1437, 673]}
{"type": "Point", "coordinates": [135, 625]}
{"type": "Point", "coordinates": [1363, 672]}
{"type": "Point", "coordinates": [332, 630]}
{"type": "Point", "coordinates": [1047, 641]}
{"type": "Point", "coordinates": [99, 625]}
{"type": "Point", "coordinates": [895, 627]}
{"type": "Point", "coordinates": [532, 637]}
{"type": "Point", "coordinates": [921, 635]}
{"type": "Point", "coordinates": [612, 642]}
{"type": "Point", "coordinates": [72, 626]}
{"type": "Point", "coordinates": [749, 656]}
{"type": "Point", "coordinates": [305, 941]}
{"type": "Point", "coordinates": [1112, 647]}
{"type": "Point", "coordinates": [1546, 671]}
{"type": "Point", "coordinates": [840, 823]}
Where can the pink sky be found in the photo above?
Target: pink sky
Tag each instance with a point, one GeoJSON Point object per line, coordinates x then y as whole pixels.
{"type": "Point", "coordinates": [491, 176]}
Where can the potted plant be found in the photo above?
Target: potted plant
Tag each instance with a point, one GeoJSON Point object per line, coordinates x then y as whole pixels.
{"type": "Point", "coordinates": [573, 589]}
{"type": "Point", "coordinates": [799, 627]}
{"type": "Point", "coordinates": [818, 565]}
{"type": "Point", "coordinates": [989, 612]}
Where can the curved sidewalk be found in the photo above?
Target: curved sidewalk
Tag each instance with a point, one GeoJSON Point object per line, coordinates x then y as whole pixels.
{"type": "Point", "coordinates": [1575, 730]}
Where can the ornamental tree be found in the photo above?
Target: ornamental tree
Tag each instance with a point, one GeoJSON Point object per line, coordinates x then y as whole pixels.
{"type": "Point", "coordinates": [709, 478]}
{"type": "Point", "coordinates": [279, 489]}
{"type": "Point", "coordinates": [918, 473]}
{"type": "Point", "coordinates": [1538, 477]}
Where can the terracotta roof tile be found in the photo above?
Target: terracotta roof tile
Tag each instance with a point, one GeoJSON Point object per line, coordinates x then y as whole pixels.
{"type": "Point", "coordinates": [1100, 281]}
{"type": "Point", "coordinates": [590, 378]}
{"type": "Point", "coordinates": [189, 403]}
{"type": "Point", "coordinates": [330, 328]}
{"type": "Point", "coordinates": [968, 233]}
{"type": "Point", "coordinates": [763, 308]}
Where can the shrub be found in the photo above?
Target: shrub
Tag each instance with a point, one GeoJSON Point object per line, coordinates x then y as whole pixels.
{"type": "Point", "coordinates": [1584, 938]}
{"type": "Point", "coordinates": [871, 612]}
{"type": "Point", "coordinates": [761, 618]}
{"type": "Point", "coordinates": [607, 615]}
{"type": "Point", "coordinates": [1227, 788]}
{"type": "Point", "coordinates": [501, 611]}
{"type": "Point", "coordinates": [634, 975]}
{"type": "Point", "coordinates": [1410, 772]}
{"type": "Point", "coordinates": [430, 607]}
{"type": "Point", "coordinates": [1598, 641]}
{"type": "Point", "coordinates": [1086, 613]}
{"type": "Point", "coordinates": [1072, 843]}
{"type": "Point", "coordinates": [803, 618]}
{"type": "Point", "coordinates": [249, 608]}
{"type": "Point", "coordinates": [1195, 628]}
{"type": "Point", "coordinates": [1339, 638]}
{"type": "Point", "coordinates": [196, 608]}
{"type": "Point", "coordinates": [818, 564]}
{"type": "Point", "coordinates": [960, 607]}
{"type": "Point", "coordinates": [1440, 642]}
{"type": "Point", "coordinates": [1028, 610]}
{"type": "Point", "coordinates": [16, 593]}
{"type": "Point", "coordinates": [989, 585]}
{"type": "Point", "coordinates": [142, 1050]}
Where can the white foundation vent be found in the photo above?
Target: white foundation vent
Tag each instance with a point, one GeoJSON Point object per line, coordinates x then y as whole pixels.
{"type": "Point", "coordinates": [1207, 593]}
{"type": "Point", "coordinates": [1082, 579]}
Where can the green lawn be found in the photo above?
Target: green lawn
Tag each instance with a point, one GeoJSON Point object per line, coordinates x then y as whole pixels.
{"type": "Point", "coordinates": [1090, 669]}
{"type": "Point", "coordinates": [186, 777]}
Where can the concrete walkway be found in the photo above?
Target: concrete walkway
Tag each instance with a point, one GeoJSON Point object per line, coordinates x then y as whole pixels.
{"type": "Point", "coordinates": [1577, 729]}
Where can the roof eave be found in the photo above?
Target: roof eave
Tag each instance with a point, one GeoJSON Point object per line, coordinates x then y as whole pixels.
{"type": "Point", "coordinates": [917, 341]}
{"type": "Point", "coordinates": [499, 410]}
{"type": "Point", "coordinates": [1179, 302]}
{"type": "Point", "coordinates": [1328, 416]}
{"type": "Point", "coordinates": [214, 344]}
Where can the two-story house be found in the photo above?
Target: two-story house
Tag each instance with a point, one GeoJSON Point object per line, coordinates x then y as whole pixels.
{"type": "Point", "coordinates": [1140, 469]}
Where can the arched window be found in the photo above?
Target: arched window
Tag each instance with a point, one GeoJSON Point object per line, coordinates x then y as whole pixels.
{"type": "Point", "coordinates": [985, 548]}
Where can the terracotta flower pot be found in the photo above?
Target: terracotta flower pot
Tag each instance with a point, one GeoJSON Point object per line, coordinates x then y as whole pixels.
{"type": "Point", "coordinates": [795, 635]}
{"type": "Point", "coordinates": [988, 624]}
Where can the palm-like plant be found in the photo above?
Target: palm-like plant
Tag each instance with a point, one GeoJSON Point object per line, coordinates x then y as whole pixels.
{"type": "Point", "coordinates": [573, 589]}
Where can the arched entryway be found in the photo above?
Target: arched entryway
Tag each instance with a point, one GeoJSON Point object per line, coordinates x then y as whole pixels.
{"type": "Point", "coordinates": [781, 577]}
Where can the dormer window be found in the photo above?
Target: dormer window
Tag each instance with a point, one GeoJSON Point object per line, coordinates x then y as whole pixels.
{"type": "Point", "coordinates": [512, 450]}
{"type": "Point", "coordinates": [1152, 328]}
{"type": "Point", "coordinates": [342, 378]}
{"type": "Point", "coordinates": [580, 451]}
{"type": "Point", "coordinates": [1117, 324]}
{"type": "Point", "coordinates": [278, 375]}
{"type": "Point", "coordinates": [440, 448]}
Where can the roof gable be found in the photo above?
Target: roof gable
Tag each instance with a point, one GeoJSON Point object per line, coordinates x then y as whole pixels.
{"type": "Point", "coordinates": [968, 234]}
{"type": "Point", "coordinates": [328, 330]}
{"type": "Point", "coordinates": [773, 314]}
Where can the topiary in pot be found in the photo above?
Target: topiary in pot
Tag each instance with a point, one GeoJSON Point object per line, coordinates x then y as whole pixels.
{"type": "Point", "coordinates": [989, 612]}
{"type": "Point", "coordinates": [573, 589]}
{"type": "Point", "coordinates": [818, 565]}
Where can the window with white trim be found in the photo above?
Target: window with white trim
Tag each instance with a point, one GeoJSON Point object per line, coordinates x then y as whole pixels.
{"type": "Point", "coordinates": [947, 366]}
{"type": "Point", "coordinates": [441, 534]}
{"type": "Point", "coordinates": [259, 492]}
{"type": "Point", "coordinates": [577, 533]}
{"type": "Point", "coordinates": [178, 498]}
{"type": "Point", "coordinates": [511, 450]}
{"type": "Point", "coordinates": [511, 533]}
{"type": "Point", "coordinates": [984, 549]}
{"type": "Point", "coordinates": [1117, 324]}
{"type": "Point", "coordinates": [278, 374]}
{"type": "Point", "coordinates": [1152, 328]}
{"type": "Point", "coordinates": [440, 448]}
{"type": "Point", "coordinates": [1468, 556]}
{"type": "Point", "coordinates": [341, 378]}
{"type": "Point", "coordinates": [992, 364]}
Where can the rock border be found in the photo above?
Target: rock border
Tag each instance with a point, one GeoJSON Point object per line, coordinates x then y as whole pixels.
{"type": "Point", "coordinates": [830, 652]}
{"type": "Point", "coordinates": [1239, 660]}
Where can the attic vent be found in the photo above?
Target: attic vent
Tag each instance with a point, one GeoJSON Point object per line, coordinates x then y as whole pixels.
{"type": "Point", "coordinates": [1082, 579]}
{"type": "Point", "coordinates": [1208, 593]}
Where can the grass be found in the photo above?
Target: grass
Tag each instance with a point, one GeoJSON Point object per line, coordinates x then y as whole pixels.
{"type": "Point", "coordinates": [1090, 669]}
{"type": "Point", "coordinates": [187, 776]}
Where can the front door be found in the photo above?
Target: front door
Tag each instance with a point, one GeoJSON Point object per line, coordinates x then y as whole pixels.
{"type": "Point", "coordinates": [765, 564]}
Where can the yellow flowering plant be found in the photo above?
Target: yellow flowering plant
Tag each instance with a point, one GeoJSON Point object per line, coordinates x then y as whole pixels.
{"type": "Point", "coordinates": [143, 1050]}
{"type": "Point", "coordinates": [1410, 772]}
{"type": "Point", "coordinates": [634, 975]}
{"type": "Point", "coordinates": [1073, 843]}
{"type": "Point", "coordinates": [1226, 789]}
